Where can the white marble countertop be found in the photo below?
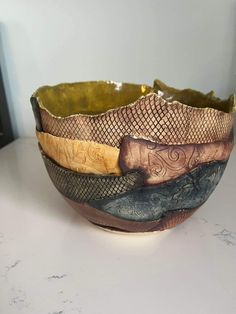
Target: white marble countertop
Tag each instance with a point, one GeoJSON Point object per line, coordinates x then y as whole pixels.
{"type": "Point", "coordinates": [52, 261]}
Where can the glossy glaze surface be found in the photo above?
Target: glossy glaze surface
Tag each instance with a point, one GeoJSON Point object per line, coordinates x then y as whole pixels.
{"type": "Point", "coordinates": [88, 97]}
{"type": "Point", "coordinates": [195, 98]}
{"type": "Point", "coordinates": [96, 97]}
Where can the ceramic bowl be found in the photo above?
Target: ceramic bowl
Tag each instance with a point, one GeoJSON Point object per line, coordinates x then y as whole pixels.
{"type": "Point", "coordinates": [130, 157]}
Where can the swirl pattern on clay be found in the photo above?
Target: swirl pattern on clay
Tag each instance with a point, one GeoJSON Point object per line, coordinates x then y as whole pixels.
{"type": "Point", "coordinates": [162, 163]}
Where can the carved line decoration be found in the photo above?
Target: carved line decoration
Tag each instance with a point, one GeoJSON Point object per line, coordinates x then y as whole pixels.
{"type": "Point", "coordinates": [81, 156]}
{"type": "Point", "coordinates": [161, 163]}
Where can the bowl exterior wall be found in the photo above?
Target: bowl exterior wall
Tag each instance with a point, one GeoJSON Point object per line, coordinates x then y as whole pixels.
{"type": "Point", "coordinates": [163, 161]}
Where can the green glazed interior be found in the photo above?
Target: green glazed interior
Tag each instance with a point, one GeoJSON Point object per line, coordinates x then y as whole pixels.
{"type": "Point", "coordinates": [195, 98]}
{"type": "Point", "coordinates": [99, 96]}
{"type": "Point", "coordinates": [88, 97]}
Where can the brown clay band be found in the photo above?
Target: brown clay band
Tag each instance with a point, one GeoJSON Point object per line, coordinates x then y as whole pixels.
{"type": "Point", "coordinates": [169, 220]}
{"type": "Point", "coordinates": [161, 163]}
{"type": "Point", "coordinates": [150, 117]}
{"type": "Point", "coordinates": [158, 162]}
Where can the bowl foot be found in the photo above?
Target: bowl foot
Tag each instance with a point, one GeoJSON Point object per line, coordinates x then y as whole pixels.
{"type": "Point", "coordinates": [111, 223]}
{"type": "Point", "coordinates": [168, 221]}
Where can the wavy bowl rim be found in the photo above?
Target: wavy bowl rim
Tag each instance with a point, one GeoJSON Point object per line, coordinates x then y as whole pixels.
{"type": "Point", "coordinates": [153, 93]}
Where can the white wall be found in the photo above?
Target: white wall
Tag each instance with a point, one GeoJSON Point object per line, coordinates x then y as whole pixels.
{"type": "Point", "coordinates": [186, 43]}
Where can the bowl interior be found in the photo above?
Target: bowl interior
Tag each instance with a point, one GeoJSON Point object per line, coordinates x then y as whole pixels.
{"type": "Point", "coordinates": [194, 98]}
{"type": "Point", "coordinates": [88, 97]}
{"type": "Point", "coordinates": [96, 97]}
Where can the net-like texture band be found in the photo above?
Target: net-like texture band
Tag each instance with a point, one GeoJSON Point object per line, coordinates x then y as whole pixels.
{"type": "Point", "coordinates": [150, 117]}
{"type": "Point", "coordinates": [84, 187]}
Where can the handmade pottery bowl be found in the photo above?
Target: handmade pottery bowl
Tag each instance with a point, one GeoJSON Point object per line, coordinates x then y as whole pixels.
{"type": "Point", "coordinates": [130, 157]}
